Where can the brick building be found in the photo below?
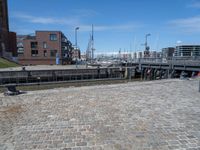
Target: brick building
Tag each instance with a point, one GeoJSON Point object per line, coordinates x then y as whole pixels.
{"type": "Point", "coordinates": [4, 28]}
{"type": "Point", "coordinates": [7, 39]}
{"type": "Point", "coordinates": [12, 43]}
{"type": "Point", "coordinates": [45, 48]}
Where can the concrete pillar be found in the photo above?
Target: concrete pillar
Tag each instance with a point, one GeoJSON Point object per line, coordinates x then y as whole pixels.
{"type": "Point", "coordinates": [122, 74]}
{"type": "Point", "coordinates": [149, 71]}
{"type": "Point", "coordinates": [160, 74]}
{"type": "Point", "coordinates": [107, 72]}
{"type": "Point", "coordinates": [166, 74]}
{"type": "Point", "coordinates": [172, 73]}
{"type": "Point", "coordinates": [133, 72]}
{"type": "Point", "coordinates": [98, 72]}
{"type": "Point", "coordinates": [111, 74]}
{"type": "Point", "coordinates": [142, 73]}
{"type": "Point", "coordinates": [145, 74]}
{"type": "Point", "coordinates": [199, 85]}
{"type": "Point", "coordinates": [154, 74]}
{"type": "Point", "coordinates": [128, 73]}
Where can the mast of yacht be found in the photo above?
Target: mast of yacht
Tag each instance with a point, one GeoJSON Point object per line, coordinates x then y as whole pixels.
{"type": "Point", "coordinates": [92, 43]}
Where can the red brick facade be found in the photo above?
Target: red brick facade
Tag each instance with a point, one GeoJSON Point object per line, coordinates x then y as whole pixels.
{"type": "Point", "coordinates": [7, 39]}
{"type": "Point", "coordinates": [13, 43]}
{"type": "Point", "coordinates": [44, 48]}
{"type": "Point", "coordinates": [4, 28]}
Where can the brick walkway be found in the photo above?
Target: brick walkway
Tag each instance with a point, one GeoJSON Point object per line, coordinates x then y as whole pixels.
{"type": "Point", "coordinates": [151, 115]}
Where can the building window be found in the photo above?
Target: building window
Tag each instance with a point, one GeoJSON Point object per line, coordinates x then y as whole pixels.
{"type": "Point", "coordinates": [1, 12]}
{"type": "Point", "coordinates": [20, 44]}
{"type": "Point", "coordinates": [53, 53]}
{"type": "Point", "coordinates": [45, 53]}
{"type": "Point", "coordinates": [44, 44]}
{"type": "Point", "coordinates": [3, 46]}
{"type": "Point", "coordinates": [34, 53]}
{"type": "Point", "coordinates": [33, 45]}
{"type": "Point", "coordinates": [53, 37]}
{"type": "Point", "coordinates": [20, 50]}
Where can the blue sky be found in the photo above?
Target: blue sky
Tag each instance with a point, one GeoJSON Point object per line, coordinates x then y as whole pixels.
{"type": "Point", "coordinates": [118, 24]}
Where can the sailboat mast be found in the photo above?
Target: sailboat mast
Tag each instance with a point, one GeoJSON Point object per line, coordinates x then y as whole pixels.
{"type": "Point", "coordinates": [92, 48]}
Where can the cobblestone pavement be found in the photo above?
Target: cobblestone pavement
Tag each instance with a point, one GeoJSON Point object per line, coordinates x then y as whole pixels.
{"type": "Point", "coordinates": [139, 115]}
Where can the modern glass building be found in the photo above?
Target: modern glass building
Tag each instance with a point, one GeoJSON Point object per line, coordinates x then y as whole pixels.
{"type": "Point", "coordinates": [187, 51]}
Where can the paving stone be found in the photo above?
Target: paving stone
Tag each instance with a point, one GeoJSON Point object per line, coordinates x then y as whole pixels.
{"type": "Point", "coordinates": [81, 144]}
{"type": "Point", "coordinates": [153, 115]}
{"type": "Point", "coordinates": [67, 149]}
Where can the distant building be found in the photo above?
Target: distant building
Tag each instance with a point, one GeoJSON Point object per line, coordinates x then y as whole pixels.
{"type": "Point", "coordinates": [153, 54]}
{"type": "Point", "coordinates": [187, 51]}
{"type": "Point", "coordinates": [168, 52]}
{"type": "Point", "coordinates": [134, 55]}
{"type": "Point", "coordinates": [7, 39]}
{"type": "Point", "coordinates": [20, 45]}
{"type": "Point", "coordinates": [159, 55]}
{"type": "Point", "coordinates": [125, 55]}
{"type": "Point", "coordinates": [83, 57]}
{"type": "Point", "coordinates": [45, 48]}
{"type": "Point", "coordinates": [76, 53]}
{"type": "Point", "coordinates": [146, 53]}
{"type": "Point", "coordinates": [139, 54]}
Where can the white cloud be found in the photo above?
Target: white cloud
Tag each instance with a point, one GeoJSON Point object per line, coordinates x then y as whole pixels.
{"type": "Point", "coordinates": [179, 42]}
{"type": "Point", "coordinates": [195, 5]}
{"type": "Point", "coordinates": [45, 20]}
{"type": "Point", "coordinates": [190, 25]}
{"type": "Point", "coordinates": [71, 23]}
{"type": "Point", "coordinates": [119, 27]}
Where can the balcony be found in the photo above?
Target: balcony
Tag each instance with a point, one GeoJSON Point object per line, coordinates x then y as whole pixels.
{"type": "Point", "coordinates": [64, 48]}
{"type": "Point", "coordinates": [64, 40]}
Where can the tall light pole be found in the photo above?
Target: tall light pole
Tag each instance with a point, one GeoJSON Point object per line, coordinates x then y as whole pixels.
{"type": "Point", "coordinates": [77, 28]}
{"type": "Point", "coordinates": [146, 52]}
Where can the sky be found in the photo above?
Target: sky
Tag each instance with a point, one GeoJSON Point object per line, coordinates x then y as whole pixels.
{"type": "Point", "coordinates": [118, 24]}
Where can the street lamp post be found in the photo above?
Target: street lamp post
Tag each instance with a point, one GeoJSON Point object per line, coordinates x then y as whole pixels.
{"type": "Point", "coordinates": [77, 28]}
{"type": "Point", "coordinates": [76, 46]}
{"type": "Point", "coordinates": [146, 45]}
